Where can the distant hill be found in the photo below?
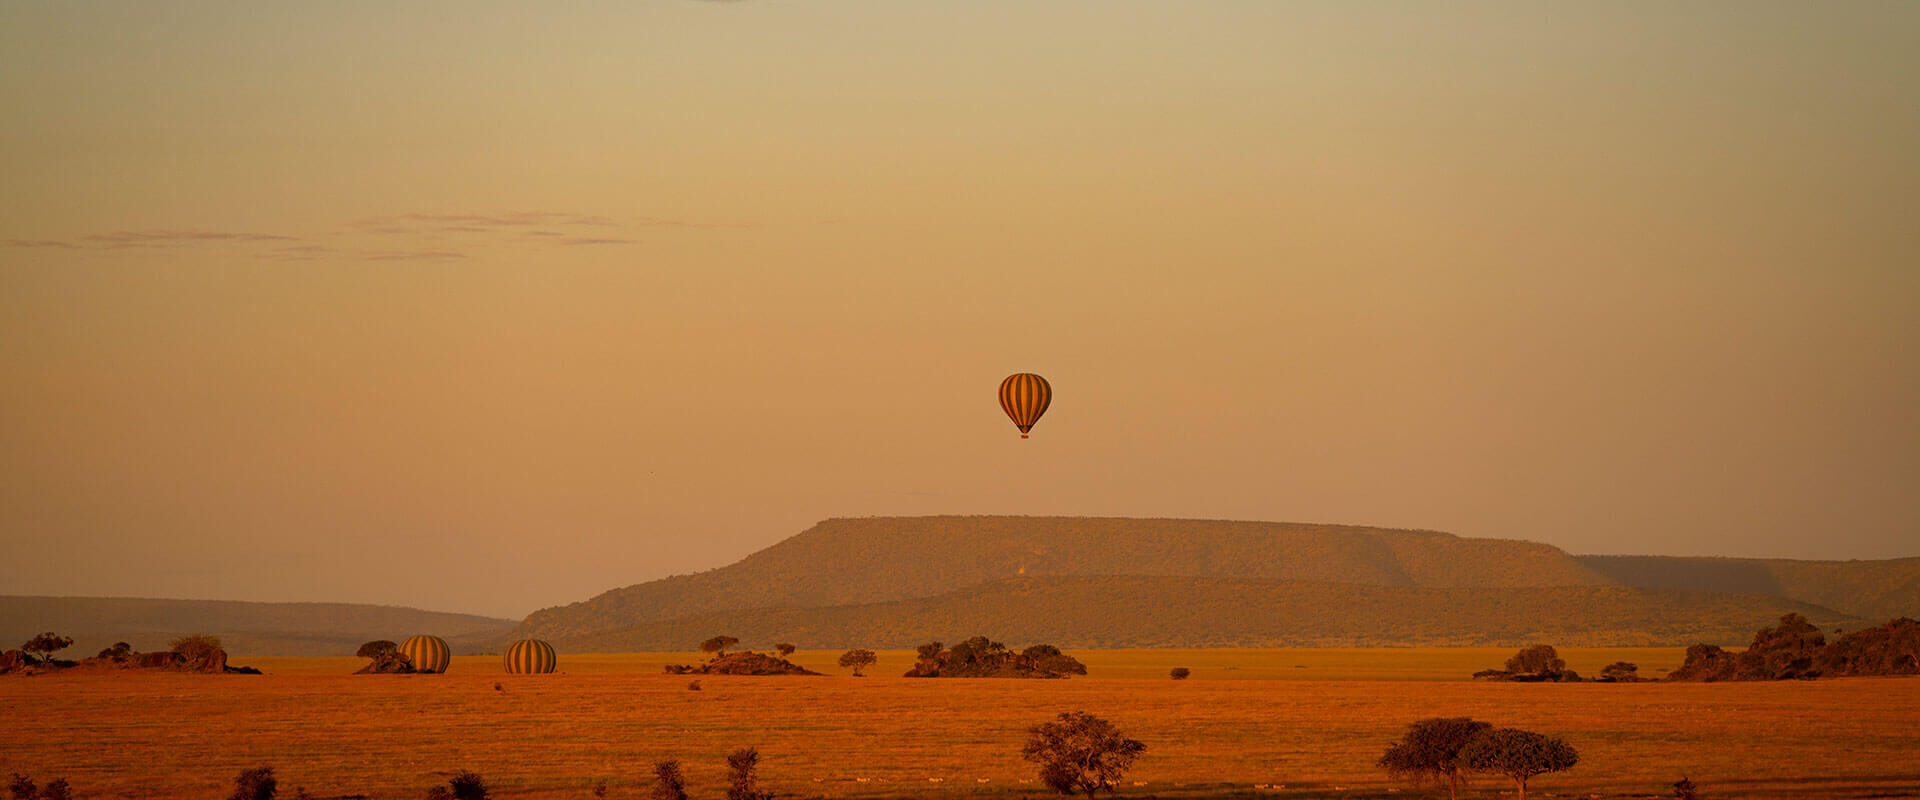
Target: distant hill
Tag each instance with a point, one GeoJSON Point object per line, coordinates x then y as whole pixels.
{"type": "Point", "coordinates": [847, 561]}
{"type": "Point", "coordinates": [1876, 590]}
{"type": "Point", "coordinates": [1110, 612]}
{"type": "Point", "coordinates": [246, 629]}
{"type": "Point", "coordinates": [1095, 582]}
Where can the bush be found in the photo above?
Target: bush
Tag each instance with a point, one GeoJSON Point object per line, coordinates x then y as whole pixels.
{"type": "Point", "coordinates": [254, 784]}
{"type": "Point", "coordinates": [120, 651]}
{"type": "Point", "coordinates": [1620, 672]}
{"type": "Point", "coordinates": [195, 646]}
{"type": "Point", "coordinates": [1180, 673]}
{"type": "Point", "coordinates": [1517, 754]}
{"type": "Point", "coordinates": [23, 788]}
{"type": "Point", "coordinates": [740, 778]}
{"type": "Point", "coordinates": [784, 649]}
{"type": "Point", "coordinates": [1430, 750]}
{"type": "Point", "coordinates": [668, 783]}
{"type": "Point", "coordinates": [464, 786]}
{"type": "Point", "coordinates": [1683, 789]}
{"type": "Point", "coordinates": [1080, 753]}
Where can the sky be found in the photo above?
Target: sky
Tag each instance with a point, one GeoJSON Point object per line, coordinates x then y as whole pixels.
{"type": "Point", "coordinates": [487, 307]}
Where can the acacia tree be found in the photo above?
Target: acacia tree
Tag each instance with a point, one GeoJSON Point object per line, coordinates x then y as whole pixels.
{"type": "Point", "coordinates": [784, 649]}
{"type": "Point", "coordinates": [857, 660]}
{"type": "Point", "coordinates": [1430, 750]}
{"type": "Point", "coordinates": [1518, 754]}
{"type": "Point", "coordinates": [47, 644]}
{"type": "Point", "coordinates": [1080, 753]}
{"type": "Point", "coordinates": [718, 645]}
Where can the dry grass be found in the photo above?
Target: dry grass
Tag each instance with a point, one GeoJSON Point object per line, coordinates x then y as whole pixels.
{"type": "Point", "coordinates": [609, 717]}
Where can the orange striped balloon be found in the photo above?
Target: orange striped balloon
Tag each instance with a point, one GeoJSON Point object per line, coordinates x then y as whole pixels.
{"type": "Point", "coordinates": [530, 657]}
{"type": "Point", "coordinates": [1024, 396]}
{"type": "Point", "coordinates": [428, 653]}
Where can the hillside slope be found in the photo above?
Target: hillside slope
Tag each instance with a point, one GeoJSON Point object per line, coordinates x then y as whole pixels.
{"type": "Point", "coordinates": [850, 561]}
{"type": "Point", "coordinates": [1876, 590]}
{"type": "Point", "coordinates": [1104, 612]}
{"type": "Point", "coordinates": [247, 629]}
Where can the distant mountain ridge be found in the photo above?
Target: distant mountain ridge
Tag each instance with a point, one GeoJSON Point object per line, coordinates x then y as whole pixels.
{"type": "Point", "coordinates": [888, 581]}
{"type": "Point", "coordinates": [245, 628]}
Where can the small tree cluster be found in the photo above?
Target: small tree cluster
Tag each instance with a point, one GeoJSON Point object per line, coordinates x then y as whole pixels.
{"type": "Point", "coordinates": [980, 657]}
{"type": "Point", "coordinates": [1179, 673]}
{"type": "Point", "coordinates": [1447, 748]}
{"type": "Point", "coordinates": [23, 788]}
{"type": "Point", "coordinates": [1538, 662]}
{"type": "Point", "coordinates": [1080, 753]}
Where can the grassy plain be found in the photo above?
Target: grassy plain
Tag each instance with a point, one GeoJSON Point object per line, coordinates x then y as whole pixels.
{"type": "Point", "coordinates": [1293, 733]}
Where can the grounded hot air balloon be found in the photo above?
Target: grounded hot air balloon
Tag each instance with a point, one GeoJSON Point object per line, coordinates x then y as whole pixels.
{"type": "Point", "coordinates": [530, 657]}
{"type": "Point", "coordinates": [1025, 396]}
{"type": "Point", "coordinates": [428, 653]}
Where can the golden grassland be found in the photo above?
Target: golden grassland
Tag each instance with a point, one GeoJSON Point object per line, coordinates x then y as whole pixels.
{"type": "Point", "coordinates": [1294, 731]}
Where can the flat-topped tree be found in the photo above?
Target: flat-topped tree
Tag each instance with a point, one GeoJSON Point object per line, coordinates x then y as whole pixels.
{"type": "Point", "coordinates": [718, 645]}
{"type": "Point", "coordinates": [47, 644]}
{"type": "Point", "coordinates": [1517, 754]}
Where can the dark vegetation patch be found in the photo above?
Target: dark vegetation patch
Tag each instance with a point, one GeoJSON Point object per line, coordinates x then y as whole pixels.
{"type": "Point", "coordinates": [980, 657]}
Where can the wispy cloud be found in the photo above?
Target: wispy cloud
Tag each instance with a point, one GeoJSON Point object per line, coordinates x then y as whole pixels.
{"type": "Point", "coordinates": [584, 240]}
{"type": "Point", "coordinates": [478, 223]}
{"type": "Point", "coordinates": [40, 243]}
{"type": "Point", "coordinates": [161, 237]}
{"type": "Point", "coordinates": [412, 255]}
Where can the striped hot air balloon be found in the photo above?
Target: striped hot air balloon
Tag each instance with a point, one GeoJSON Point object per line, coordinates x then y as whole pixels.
{"type": "Point", "coordinates": [428, 653]}
{"type": "Point", "coordinates": [530, 657]}
{"type": "Point", "coordinates": [1024, 396]}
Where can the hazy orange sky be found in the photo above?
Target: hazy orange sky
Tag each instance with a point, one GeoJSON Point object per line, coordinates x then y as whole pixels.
{"type": "Point", "coordinates": [486, 307]}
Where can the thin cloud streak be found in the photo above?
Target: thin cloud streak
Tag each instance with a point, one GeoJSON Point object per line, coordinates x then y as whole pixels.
{"type": "Point", "coordinates": [412, 255]}
{"type": "Point", "coordinates": [157, 237]}
{"type": "Point", "coordinates": [40, 243]}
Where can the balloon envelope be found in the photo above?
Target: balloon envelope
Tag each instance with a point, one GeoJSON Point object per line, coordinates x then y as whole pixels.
{"type": "Point", "coordinates": [428, 653]}
{"type": "Point", "coordinates": [1024, 396]}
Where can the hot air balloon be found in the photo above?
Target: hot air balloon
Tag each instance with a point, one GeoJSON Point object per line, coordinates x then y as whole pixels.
{"type": "Point", "coordinates": [1025, 396]}
{"type": "Point", "coordinates": [530, 657]}
{"type": "Point", "coordinates": [428, 653]}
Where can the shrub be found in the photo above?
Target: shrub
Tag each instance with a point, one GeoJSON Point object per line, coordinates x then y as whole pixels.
{"type": "Point", "coordinates": [466, 785]}
{"type": "Point", "coordinates": [195, 646]}
{"type": "Point", "coordinates": [1180, 673]}
{"type": "Point", "coordinates": [1620, 672]}
{"type": "Point", "coordinates": [740, 778]}
{"type": "Point", "coordinates": [23, 788]}
{"type": "Point", "coordinates": [1517, 754]}
{"type": "Point", "coordinates": [120, 651]}
{"type": "Point", "coordinates": [784, 649]}
{"type": "Point", "coordinates": [1430, 750]}
{"type": "Point", "coordinates": [1080, 753]}
{"type": "Point", "coordinates": [254, 784]}
{"type": "Point", "coordinates": [857, 660]}
{"type": "Point", "coordinates": [1683, 789]}
{"type": "Point", "coordinates": [668, 783]}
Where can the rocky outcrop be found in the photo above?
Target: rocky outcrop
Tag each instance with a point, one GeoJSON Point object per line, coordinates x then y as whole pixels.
{"type": "Point", "coordinates": [742, 663]}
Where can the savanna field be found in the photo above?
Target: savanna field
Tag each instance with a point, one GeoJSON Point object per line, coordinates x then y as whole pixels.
{"type": "Point", "coordinates": [1249, 723]}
